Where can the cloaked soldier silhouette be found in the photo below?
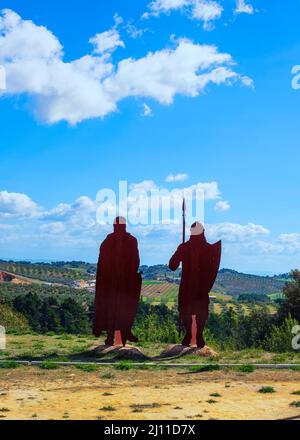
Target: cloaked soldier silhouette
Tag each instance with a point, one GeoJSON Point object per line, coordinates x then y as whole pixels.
{"type": "Point", "coordinates": [118, 285]}
{"type": "Point", "coordinates": [200, 264]}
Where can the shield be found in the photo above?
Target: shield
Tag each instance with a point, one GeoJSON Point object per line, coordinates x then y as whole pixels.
{"type": "Point", "coordinates": [215, 256]}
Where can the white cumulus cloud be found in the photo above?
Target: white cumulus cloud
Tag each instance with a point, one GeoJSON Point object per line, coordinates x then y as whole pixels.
{"type": "Point", "coordinates": [244, 7]}
{"type": "Point", "coordinates": [207, 11]}
{"type": "Point", "coordinates": [107, 41]}
{"type": "Point", "coordinates": [92, 86]}
{"type": "Point", "coordinates": [222, 206]}
{"type": "Point", "coordinates": [17, 205]}
{"type": "Point", "coordinates": [232, 232]}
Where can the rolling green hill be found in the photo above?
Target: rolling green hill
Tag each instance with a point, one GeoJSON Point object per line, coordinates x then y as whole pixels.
{"type": "Point", "coordinates": [236, 283]}
{"type": "Point", "coordinates": [60, 272]}
{"type": "Point", "coordinates": [229, 282]}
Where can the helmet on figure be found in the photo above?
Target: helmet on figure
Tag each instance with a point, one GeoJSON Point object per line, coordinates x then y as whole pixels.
{"type": "Point", "coordinates": [120, 224]}
{"type": "Point", "coordinates": [197, 228]}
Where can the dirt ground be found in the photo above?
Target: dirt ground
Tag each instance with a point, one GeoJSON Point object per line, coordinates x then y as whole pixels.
{"type": "Point", "coordinates": [71, 394]}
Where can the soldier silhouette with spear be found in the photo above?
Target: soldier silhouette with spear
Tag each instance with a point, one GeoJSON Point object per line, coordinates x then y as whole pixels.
{"type": "Point", "coordinates": [200, 264]}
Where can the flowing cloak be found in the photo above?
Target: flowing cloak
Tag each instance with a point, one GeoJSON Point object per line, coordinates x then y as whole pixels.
{"type": "Point", "coordinates": [118, 284]}
{"type": "Point", "coordinates": [200, 264]}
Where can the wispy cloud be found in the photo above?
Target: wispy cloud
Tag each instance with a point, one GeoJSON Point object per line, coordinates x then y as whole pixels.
{"type": "Point", "coordinates": [147, 111]}
{"type": "Point", "coordinates": [206, 11]}
{"type": "Point", "coordinates": [177, 178]}
{"type": "Point", "coordinates": [203, 11]}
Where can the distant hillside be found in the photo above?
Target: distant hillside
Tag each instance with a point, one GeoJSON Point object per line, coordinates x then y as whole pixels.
{"type": "Point", "coordinates": [229, 282]}
{"type": "Point", "coordinates": [56, 272]}
{"type": "Point", "coordinates": [236, 283]}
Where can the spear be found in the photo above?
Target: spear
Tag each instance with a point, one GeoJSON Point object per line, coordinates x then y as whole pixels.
{"type": "Point", "coordinates": [183, 241]}
{"type": "Point", "coordinates": [183, 220]}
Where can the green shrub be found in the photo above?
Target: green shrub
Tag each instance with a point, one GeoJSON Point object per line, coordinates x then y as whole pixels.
{"type": "Point", "coordinates": [280, 339]}
{"type": "Point", "coordinates": [266, 390]}
{"type": "Point", "coordinates": [9, 365]}
{"type": "Point", "coordinates": [296, 404]}
{"type": "Point", "coordinates": [13, 321]}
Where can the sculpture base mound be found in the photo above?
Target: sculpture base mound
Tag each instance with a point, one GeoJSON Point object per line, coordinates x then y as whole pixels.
{"type": "Point", "coordinates": [180, 350]}
{"type": "Point", "coordinates": [129, 352]}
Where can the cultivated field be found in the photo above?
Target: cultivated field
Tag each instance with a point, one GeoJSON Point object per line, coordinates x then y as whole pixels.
{"type": "Point", "coordinates": [157, 292]}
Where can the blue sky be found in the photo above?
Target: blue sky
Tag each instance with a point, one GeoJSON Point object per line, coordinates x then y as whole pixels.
{"type": "Point", "coordinates": [214, 101]}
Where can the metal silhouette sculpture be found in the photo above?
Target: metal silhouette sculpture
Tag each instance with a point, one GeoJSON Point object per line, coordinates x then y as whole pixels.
{"type": "Point", "coordinates": [200, 264]}
{"type": "Point", "coordinates": [118, 286]}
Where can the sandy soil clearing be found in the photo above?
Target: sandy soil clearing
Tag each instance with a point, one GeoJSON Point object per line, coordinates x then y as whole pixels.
{"type": "Point", "coordinates": [70, 394]}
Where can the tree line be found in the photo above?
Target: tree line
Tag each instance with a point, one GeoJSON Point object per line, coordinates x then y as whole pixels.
{"type": "Point", "coordinates": [159, 324]}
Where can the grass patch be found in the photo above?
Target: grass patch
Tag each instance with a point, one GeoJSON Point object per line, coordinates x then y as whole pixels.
{"type": "Point", "coordinates": [203, 368]}
{"type": "Point", "coordinates": [88, 368]}
{"type": "Point", "coordinates": [107, 376]}
{"type": "Point", "coordinates": [107, 408]}
{"type": "Point", "coordinates": [48, 366]}
{"type": "Point", "coordinates": [246, 368]}
{"type": "Point", "coordinates": [4, 353]}
{"type": "Point", "coordinates": [296, 368]}
{"type": "Point", "coordinates": [296, 393]}
{"type": "Point", "coordinates": [211, 401]}
{"type": "Point", "coordinates": [295, 404]}
{"type": "Point", "coordinates": [58, 359]}
{"type": "Point", "coordinates": [266, 390]}
{"type": "Point", "coordinates": [64, 337]}
{"type": "Point", "coordinates": [9, 365]}
{"type": "Point", "coordinates": [215, 395]}
{"type": "Point", "coordinates": [124, 366]}
{"type": "Point", "coordinates": [149, 367]}
{"type": "Point", "coordinates": [143, 406]}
